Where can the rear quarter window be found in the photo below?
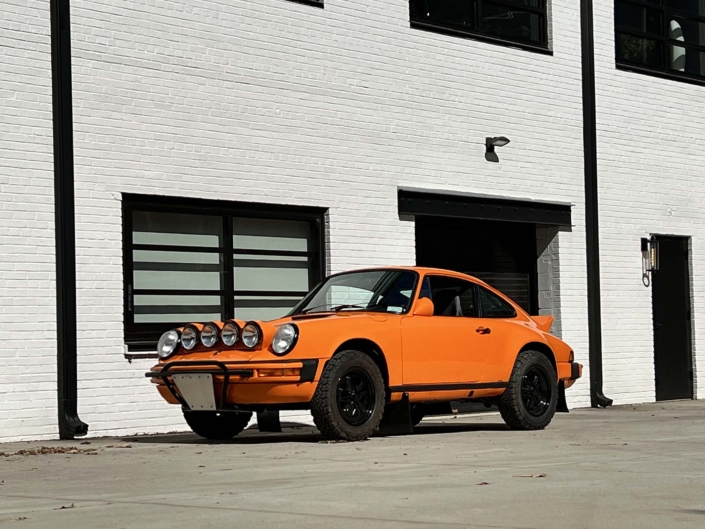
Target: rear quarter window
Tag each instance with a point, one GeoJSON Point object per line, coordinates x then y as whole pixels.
{"type": "Point", "coordinates": [492, 306]}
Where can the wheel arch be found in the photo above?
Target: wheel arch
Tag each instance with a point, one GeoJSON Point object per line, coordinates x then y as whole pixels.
{"type": "Point", "coordinates": [369, 348]}
{"type": "Point", "coordinates": [544, 350]}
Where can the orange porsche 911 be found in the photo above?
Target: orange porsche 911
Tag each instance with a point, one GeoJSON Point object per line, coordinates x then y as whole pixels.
{"type": "Point", "coordinates": [367, 346]}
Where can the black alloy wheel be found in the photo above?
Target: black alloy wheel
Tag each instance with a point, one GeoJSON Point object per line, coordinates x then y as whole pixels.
{"type": "Point", "coordinates": [536, 391]}
{"type": "Point", "coordinates": [531, 397]}
{"type": "Point", "coordinates": [355, 396]}
{"type": "Point", "coordinates": [349, 398]}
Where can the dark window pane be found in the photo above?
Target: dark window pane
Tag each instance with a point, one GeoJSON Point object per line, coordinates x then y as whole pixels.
{"type": "Point", "coordinates": [690, 31]}
{"type": "Point", "coordinates": [453, 13]}
{"type": "Point", "coordinates": [689, 7]}
{"type": "Point", "coordinates": [686, 60]}
{"type": "Point", "coordinates": [521, 3]}
{"type": "Point", "coordinates": [632, 16]}
{"type": "Point", "coordinates": [493, 306]}
{"type": "Point", "coordinates": [509, 23]}
{"type": "Point", "coordinates": [641, 51]}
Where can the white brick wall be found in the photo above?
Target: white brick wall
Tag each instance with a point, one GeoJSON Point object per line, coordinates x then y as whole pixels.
{"type": "Point", "coordinates": [278, 102]}
{"type": "Point", "coordinates": [27, 273]}
{"type": "Point", "coordinates": [651, 145]}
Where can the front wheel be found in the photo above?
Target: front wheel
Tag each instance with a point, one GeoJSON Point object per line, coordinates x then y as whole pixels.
{"type": "Point", "coordinates": [529, 402]}
{"type": "Point", "coordinates": [215, 425]}
{"type": "Point", "coordinates": [349, 399]}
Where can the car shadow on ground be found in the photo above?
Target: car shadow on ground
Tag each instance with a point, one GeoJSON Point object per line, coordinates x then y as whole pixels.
{"type": "Point", "coordinates": [305, 433]}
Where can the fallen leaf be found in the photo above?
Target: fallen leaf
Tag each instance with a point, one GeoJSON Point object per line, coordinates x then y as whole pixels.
{"type": "Point", "coordinates": [532, 475]}
{"type": "Point", "coordinates": [483, 483]}
{"type": "Point", "coordinates": [65, 507]}
{"type": "Point", "coordinates": [21, 518]}
{"type": "Point", "coordinates": [86, 443]}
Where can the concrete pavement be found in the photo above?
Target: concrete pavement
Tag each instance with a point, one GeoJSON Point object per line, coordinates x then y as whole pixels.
{"type": "Point", "coordinates": [635, 466]}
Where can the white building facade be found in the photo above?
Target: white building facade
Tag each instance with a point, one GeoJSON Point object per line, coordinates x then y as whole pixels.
{"type": "Point", "coordinates": [227, 155]}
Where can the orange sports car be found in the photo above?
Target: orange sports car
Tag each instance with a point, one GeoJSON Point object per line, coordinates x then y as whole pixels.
{"type": "Point", "coordinates": [367, 346]}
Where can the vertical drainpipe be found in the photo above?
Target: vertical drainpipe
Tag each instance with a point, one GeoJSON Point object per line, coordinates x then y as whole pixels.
{"type": "Point", "coordinates": [65, 224]}
{"type": "Point", "coordinates": [597, 397]}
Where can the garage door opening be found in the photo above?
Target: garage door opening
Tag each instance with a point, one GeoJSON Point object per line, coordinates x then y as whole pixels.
{"type": "Point", "coordinates": [503, 254]}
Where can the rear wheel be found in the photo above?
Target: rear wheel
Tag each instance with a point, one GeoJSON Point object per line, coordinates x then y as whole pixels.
{"type": "Point", "coordinates": [529, 402]}
{"type": "Point", "coordinates": [349, 399]}
{"type": "Point", "coordinates": [216, 425]}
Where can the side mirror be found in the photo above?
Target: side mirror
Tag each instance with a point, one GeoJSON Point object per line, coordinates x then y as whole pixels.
{"type": "Point", "coordinates": [424, 307]}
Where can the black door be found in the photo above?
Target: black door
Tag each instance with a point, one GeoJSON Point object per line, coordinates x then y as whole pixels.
{"type": "Point", "coordinates": [671, 306]}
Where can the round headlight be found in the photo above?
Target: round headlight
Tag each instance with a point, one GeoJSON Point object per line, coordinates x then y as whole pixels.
{"type": "Point", "coordinates": [189, 337]}
{"type": "Point", "coordinates": [168, 343]}
{"type": "Point", "coordinates": [251, 335]}
{"type": "Point", "coordinates": [209, 334]}
{"type": "Point", "coordinates": [285, 338]}
{"type": "Point", "coordinates": [230, 333]}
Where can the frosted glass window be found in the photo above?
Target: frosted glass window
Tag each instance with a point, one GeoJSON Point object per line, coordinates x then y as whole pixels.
{"type": "Point", "coordinates": [176, 229]}
{"type": "Point", "coordinates": [271, 234]}
{"type": "Point", "coordinates": [199, 264]}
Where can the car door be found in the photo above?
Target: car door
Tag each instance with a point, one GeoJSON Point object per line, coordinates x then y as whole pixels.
{"type": "Point", "coordinates": [496, 323]}
{"type": "Point", "coordinates": [445, 348]}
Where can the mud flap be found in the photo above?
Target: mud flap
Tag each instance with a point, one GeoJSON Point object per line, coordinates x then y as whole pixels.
{"type": "Point", "coordinates": [268, 421]}
{"type": "Point", "coordinates": [562, 405]}
{"type": "Point", "coordinates": [397, 420]}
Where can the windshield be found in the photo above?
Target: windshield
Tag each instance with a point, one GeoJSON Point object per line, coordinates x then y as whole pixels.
{"type": "Point", "coordinates": [372, 290]}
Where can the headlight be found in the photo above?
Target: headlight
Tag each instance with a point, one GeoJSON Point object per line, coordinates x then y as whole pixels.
{"type": "Point", "coordinates": [168, 343]}
{"type": "Point", "coordinates": [230, 333]}
{"type": "Point", "coordinates": [251, 335]}
{"type": "Point", "coordinates": [209, 334]}
{"type": "Point", "coordinates": [285, 338]}
{"type": "Point", "coordinates": [189, 337]}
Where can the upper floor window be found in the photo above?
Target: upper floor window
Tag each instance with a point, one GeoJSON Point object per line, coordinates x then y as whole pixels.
{"type": "Point", "coordinates": [664, 36]}
{"type": "Point", "coordinates": [523, 22]}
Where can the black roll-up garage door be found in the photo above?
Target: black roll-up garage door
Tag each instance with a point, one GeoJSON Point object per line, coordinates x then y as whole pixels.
{"type": "Point", "coordinates": [501, 253]}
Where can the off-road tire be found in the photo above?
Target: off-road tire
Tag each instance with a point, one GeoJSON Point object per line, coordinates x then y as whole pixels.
{"type": "Point", "coordinates": [215, 425]}
{"type": "Point", "coordinates": [324, 406]}
{"type": "Point", "coordinates": [511, 403]}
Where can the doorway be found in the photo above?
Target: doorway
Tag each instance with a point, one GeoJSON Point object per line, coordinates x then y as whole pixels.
{"type": "Point", "coordinates": [503, 254]}
{"type": "Point", "coordinates": [673, 355]}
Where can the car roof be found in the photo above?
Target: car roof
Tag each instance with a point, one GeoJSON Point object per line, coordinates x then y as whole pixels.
{"type": "Point", "coordinates": [423, 270]}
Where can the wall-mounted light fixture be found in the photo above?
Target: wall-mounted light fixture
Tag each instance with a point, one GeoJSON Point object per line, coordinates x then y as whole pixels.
{"type": "Point", "coordinates": [649, 258]}
{"type": "Point", "coordinates": [497, 141]}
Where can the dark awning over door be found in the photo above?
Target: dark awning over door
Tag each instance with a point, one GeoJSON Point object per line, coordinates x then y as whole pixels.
{"type": "Point", "coordinates": [436, 204]}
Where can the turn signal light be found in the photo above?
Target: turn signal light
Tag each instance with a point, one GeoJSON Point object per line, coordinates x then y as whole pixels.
{"type": "Point", "coordinates": [279, 372]}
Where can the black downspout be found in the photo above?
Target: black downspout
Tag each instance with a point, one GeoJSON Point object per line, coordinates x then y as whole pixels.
{"type": "Point", "coordinates": [597, 397]}
{"type": "Point", "coordinates": [66, 347]}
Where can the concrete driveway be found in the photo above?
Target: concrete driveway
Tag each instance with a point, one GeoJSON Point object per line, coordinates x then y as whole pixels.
{"type": "Point", "coordinates": [635, 466]}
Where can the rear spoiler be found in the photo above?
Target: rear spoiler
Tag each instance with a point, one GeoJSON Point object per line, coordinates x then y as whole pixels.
{"type": "Point", "coordinates": [543, 322]}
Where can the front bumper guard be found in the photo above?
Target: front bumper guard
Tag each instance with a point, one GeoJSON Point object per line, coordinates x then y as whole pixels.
{"type": "Point", "coordinates": [308, 374]}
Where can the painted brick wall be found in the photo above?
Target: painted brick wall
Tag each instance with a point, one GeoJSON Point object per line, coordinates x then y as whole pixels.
{"type": "Point", "coordinates": [283, 103]}
{"type": "Point", "coordinates": [27, 272]}
{"type": "Point", "coordinates": [651, 145]}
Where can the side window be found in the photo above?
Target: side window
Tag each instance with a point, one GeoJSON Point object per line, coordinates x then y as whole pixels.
{"type": "Point", "coordinates": [493, 306]}
{"type": "Point", "coordinates": [450, 296]}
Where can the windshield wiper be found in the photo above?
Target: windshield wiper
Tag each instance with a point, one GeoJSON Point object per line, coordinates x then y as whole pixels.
{"type": "Point", "coordinates": [338, 308]}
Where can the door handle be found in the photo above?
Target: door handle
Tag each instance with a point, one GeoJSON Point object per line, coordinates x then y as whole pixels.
{"type": "Point", "coordinates": [483, 330]}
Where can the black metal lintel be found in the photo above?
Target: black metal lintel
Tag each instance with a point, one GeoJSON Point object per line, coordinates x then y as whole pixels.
{"type": "Point", "coordinates": [483, 208]}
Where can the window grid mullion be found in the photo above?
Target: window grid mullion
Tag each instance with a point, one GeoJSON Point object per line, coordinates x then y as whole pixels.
{"type": "Point", "coordinates": [228, 262]}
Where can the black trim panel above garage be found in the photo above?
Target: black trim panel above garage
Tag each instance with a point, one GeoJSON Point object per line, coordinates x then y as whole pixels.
{"type": "Point", "coordinates": [468, 206]}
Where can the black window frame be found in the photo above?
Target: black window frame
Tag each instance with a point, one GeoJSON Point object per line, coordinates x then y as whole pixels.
{"type": "Point", "coordinates": [665, 71]}
{"type": "Point", "coordinates": [144, 336]}
{"type": "Point", "coordinates": [418, 21]}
